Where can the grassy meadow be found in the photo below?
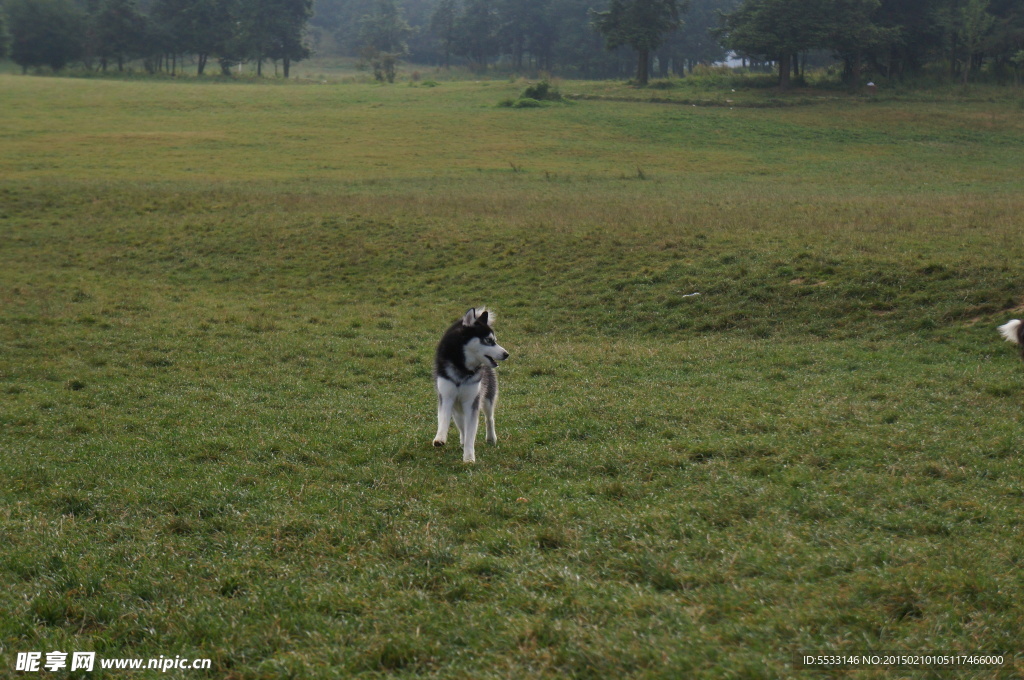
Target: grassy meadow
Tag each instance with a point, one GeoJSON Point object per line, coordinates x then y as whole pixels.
{"type": "Point", "coordinates": [218, 309]}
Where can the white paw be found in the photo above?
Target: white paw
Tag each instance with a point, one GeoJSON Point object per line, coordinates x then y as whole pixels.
{"type": "Point", "coordinates": [438, 442]}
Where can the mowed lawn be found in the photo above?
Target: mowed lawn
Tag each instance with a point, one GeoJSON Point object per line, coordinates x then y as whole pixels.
{"type": "Point", "coordinates": [756, 406]}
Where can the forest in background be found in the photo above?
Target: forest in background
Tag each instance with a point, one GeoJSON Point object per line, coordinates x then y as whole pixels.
{"type": "Point", "coordinates": [963, 39]}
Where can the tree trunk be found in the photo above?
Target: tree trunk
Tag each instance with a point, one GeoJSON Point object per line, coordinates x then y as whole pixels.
{"type": "Point", "coordinates": [643, 58]}
{"type": "Point", "coordinates": [784, 69]}
{"type": "Point", "coordinates": [855, 70]}
{"type": "Point", "coordinates": [287, 66]}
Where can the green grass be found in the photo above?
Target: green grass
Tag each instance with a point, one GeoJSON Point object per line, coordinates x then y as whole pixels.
{"type": "Point", "coordinates": [218, 307]}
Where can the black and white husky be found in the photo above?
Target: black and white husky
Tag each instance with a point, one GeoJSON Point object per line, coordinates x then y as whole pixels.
{"type": "Point", "coordinates": [464, 374]}
{"type": "Point", "coordinates": [1013, 331]}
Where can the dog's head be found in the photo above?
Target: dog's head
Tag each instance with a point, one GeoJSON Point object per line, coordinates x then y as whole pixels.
{"type": "Point", "coordinates": [481, 346]}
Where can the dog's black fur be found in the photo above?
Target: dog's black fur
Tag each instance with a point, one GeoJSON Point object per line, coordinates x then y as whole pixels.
{"type": "Point", "coordinates": [450, 358]}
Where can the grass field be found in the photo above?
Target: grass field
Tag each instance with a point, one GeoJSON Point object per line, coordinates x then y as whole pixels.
{"type": "Point", "coordinates": [218, 308]}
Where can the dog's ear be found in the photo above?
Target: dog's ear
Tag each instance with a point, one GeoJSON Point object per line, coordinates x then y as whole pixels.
{"type": "Point", "coordinates": [470, 318]}
{"type": "Point", "coordinates": [483, 318]}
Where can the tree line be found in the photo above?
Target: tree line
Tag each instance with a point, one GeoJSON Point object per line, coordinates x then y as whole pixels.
{"type": "Point", "coordinates": [554, 36]}
{"type": "Point", "coordinates": [573, 38]}
{"type": "Point", "coordinates": [892, 38]}
{"type": "Point", "coordinates": [105, 34]}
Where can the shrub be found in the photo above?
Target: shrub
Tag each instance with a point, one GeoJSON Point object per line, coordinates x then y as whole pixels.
{"type": "Point", "coordinates": [526, 103]}
{"type": "Point", "coordinates": [534, 96]}
{"type": "Point", "coordinates": [542, 91]}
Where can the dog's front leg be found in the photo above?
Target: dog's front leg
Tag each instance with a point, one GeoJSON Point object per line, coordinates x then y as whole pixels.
{"type": "Point", "coordinates": [446, 396]}
{"type": "Point", "coordinates": [470, 424]}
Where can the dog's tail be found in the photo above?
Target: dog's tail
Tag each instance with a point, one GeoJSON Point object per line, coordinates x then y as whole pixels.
{"type": "Point", "coordinates": [1011, 330]}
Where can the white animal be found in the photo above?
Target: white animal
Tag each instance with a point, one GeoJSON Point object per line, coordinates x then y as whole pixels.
{"type": "Point", "coordinates": [1013, 331]}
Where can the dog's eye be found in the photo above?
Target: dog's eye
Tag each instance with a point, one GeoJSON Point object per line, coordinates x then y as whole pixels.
{"type": "Point", "coordinates": [489, 341]}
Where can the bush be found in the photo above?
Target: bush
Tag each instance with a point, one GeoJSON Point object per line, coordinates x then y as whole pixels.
{"type": "Point", "coordinates": [542, 91]}
{"type": "Point", "coordinates": [526, 103]}
{"type": "Point", "coordinates": [534, 96]}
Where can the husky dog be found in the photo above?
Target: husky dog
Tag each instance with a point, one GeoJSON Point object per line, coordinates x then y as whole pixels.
{"type": "Point", "coordinates": [464, 374]}
{"type": "Point", "coordinates": [1013, 331]}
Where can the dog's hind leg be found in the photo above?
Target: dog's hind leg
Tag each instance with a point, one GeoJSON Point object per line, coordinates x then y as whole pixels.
{"type": "Point", "coordinates": [492, 436]}
{"type": "Point", "coordinates": [447, 393]}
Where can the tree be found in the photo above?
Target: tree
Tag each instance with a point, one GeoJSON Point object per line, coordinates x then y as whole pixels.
{"type": "Point", "coordinates": [272, 29]}
{"type": "Point", "coordinates": [289, 27]}
{"type": "Point", "coordinates": [694, 43]}
{"type": "Point", "coordinates": [253, 35]}
{"type": "Point", "coordinates": [853, 34]}
{"type": "Point", "coordinates": [641, 24]}
{"type": "Point", "coordinates": [542, 34]}
{"type": "Point", "coordinates": [1018, 62]}
{"type": "Point", "coordinates": [476, 33]}
{"type": "Point", "coordinates": [1006, 39]}
{"type": "Point", "coordinates": [200, 27]}
{"type": "Point", "coordinates": [580, 50]}
{"type": "Point", "coordinates": [384, 33]}
{"type": "Point", "coordinates": [442, 25]}
{"type": "Point", "coordinates": [975, 22]}
{"type": "Point", "coordinates": [916, 35]}
{"type": "Point", "coordinates": [521, 28]}
{"type": "Point", "coordinates": [345, 17]}
{"type": "Point", "coordinates": [776, 30]}
{"type": "Point", "coordinates": [5, 39]}
{"type": "Point", "coordinates": [45, 33]}
{"type": "Point", "coordinates": [118, 31]}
